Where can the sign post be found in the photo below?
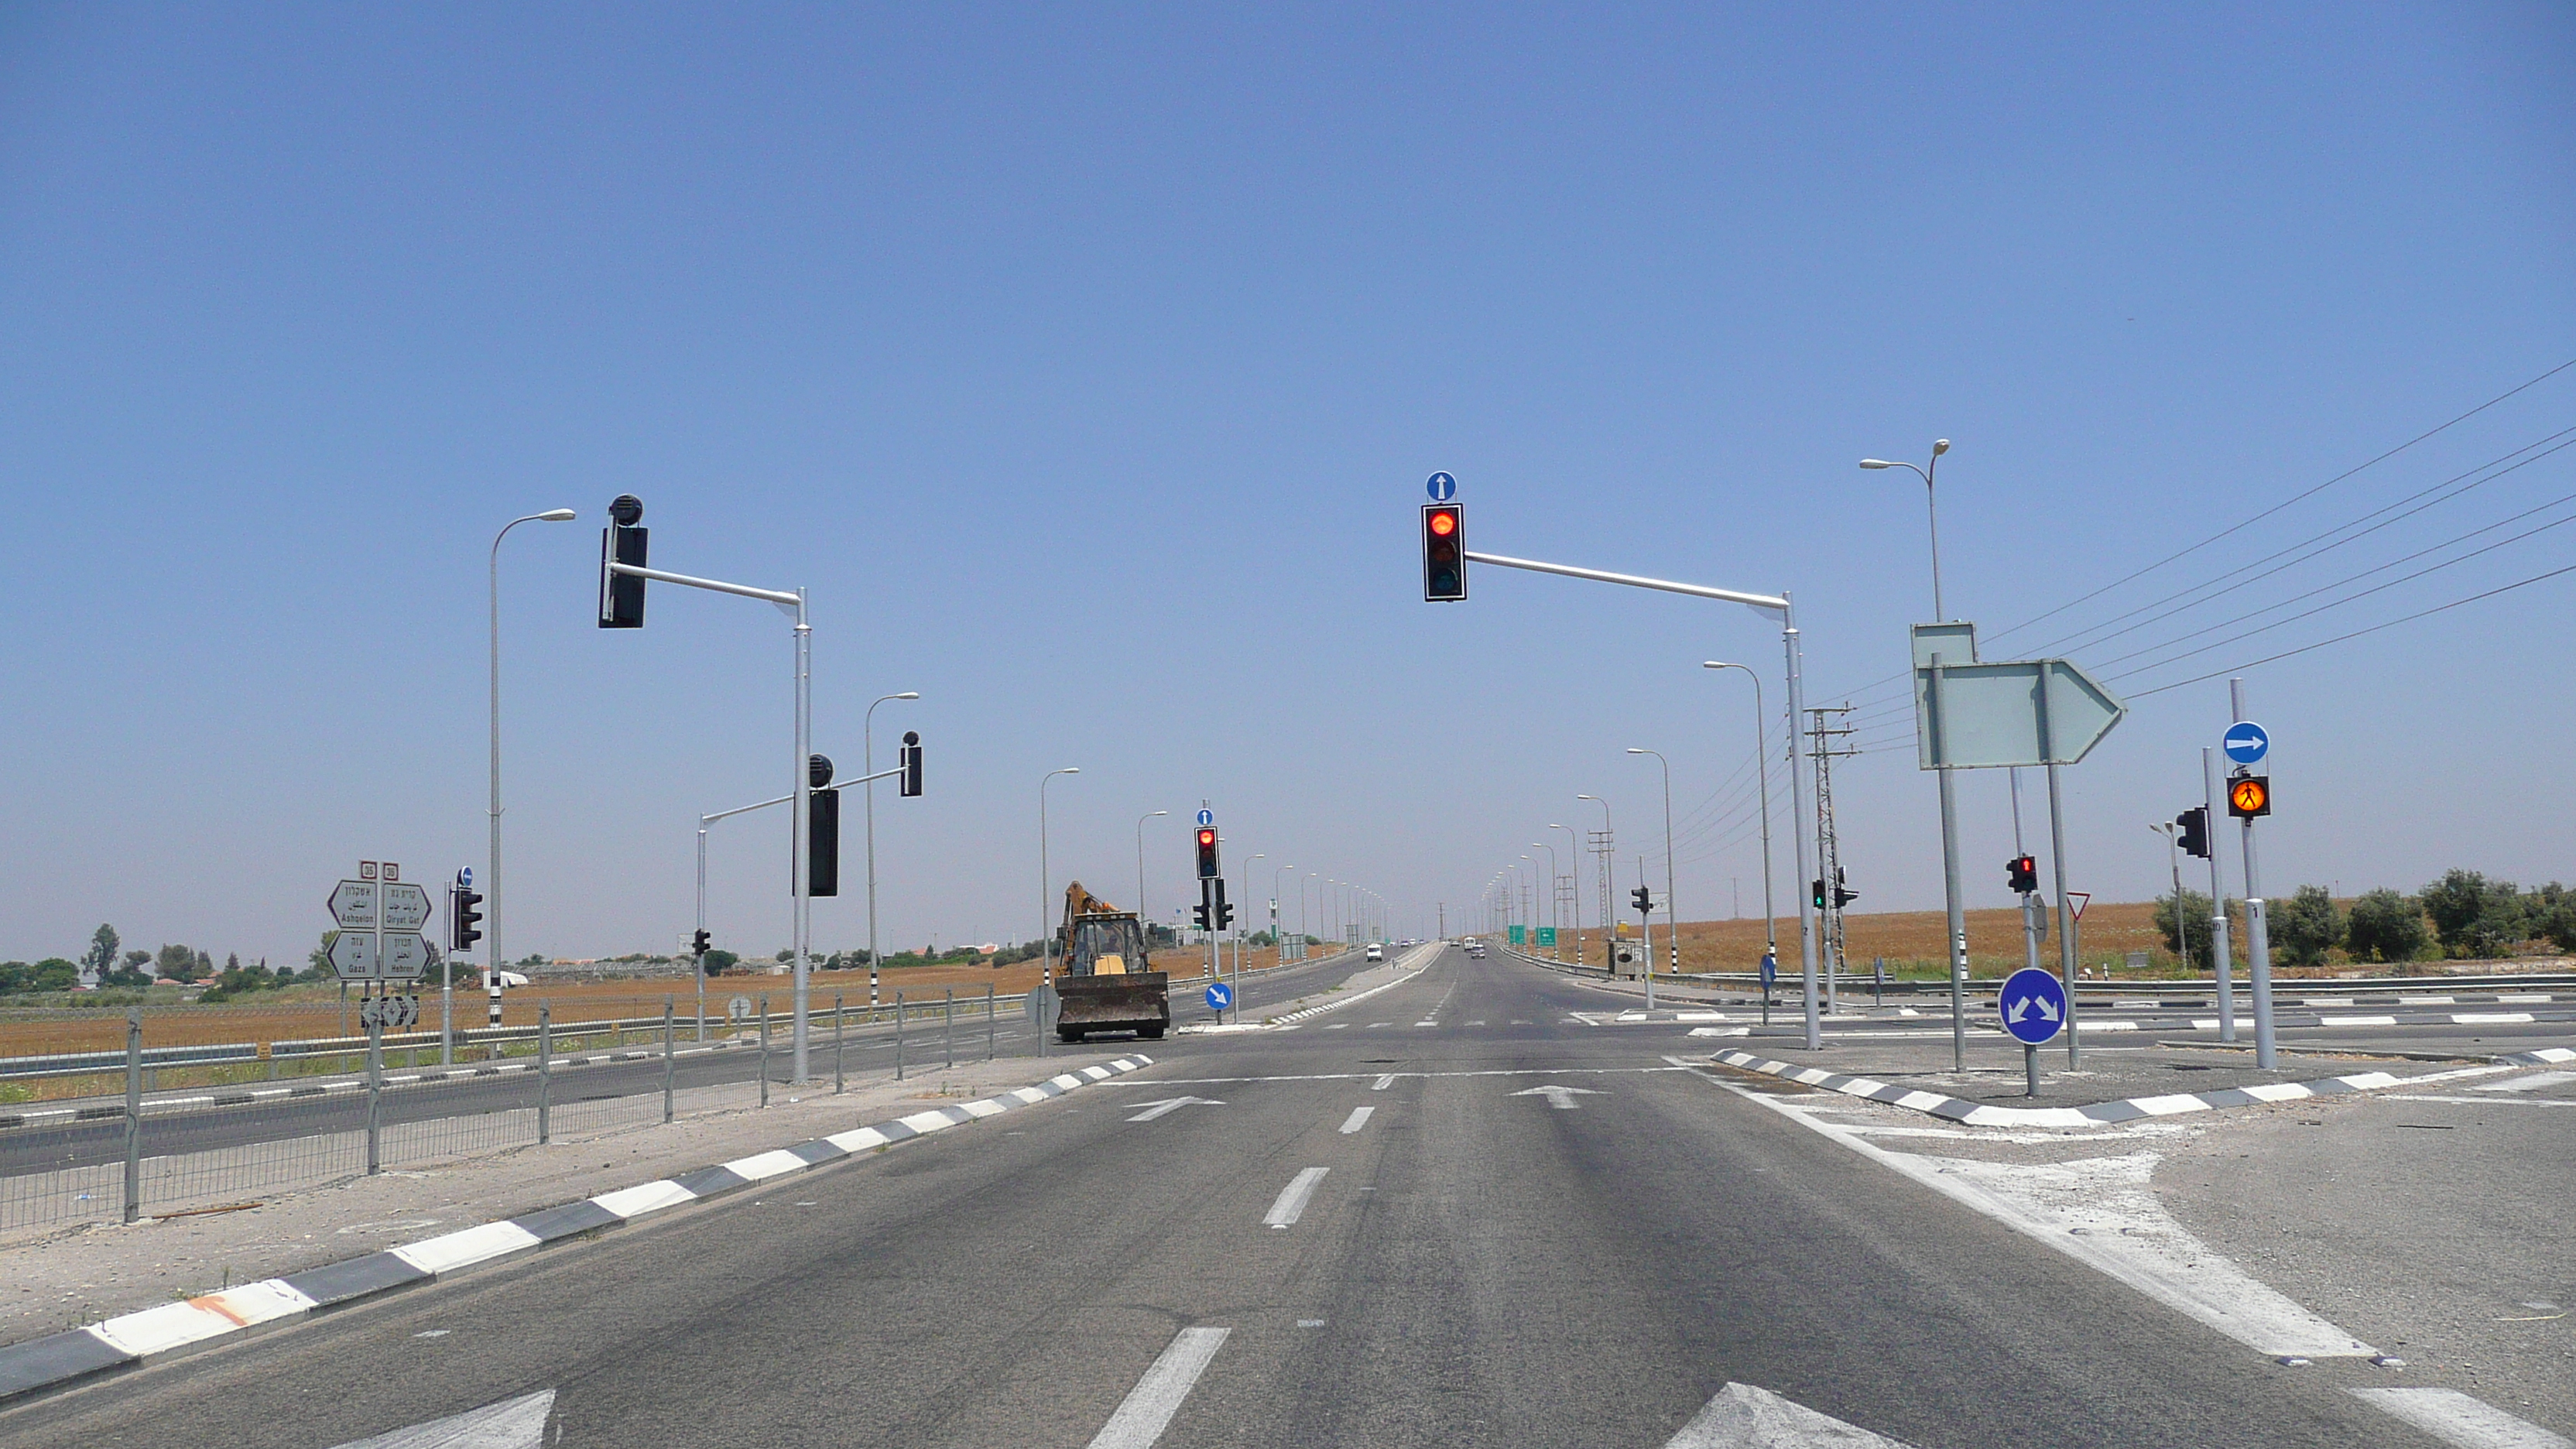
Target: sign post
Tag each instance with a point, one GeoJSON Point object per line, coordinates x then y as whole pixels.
{"type": "Point", "coordinates": [379, 941]}
{"type": "Point", "coordinates": [2033, 1005]}
{"type": "Point", "coordinates": [2248, 795]}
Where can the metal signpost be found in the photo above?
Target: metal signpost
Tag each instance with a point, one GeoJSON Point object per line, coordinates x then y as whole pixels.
{"type": "Point", "coordinates": [1219, 997]}
{"type": "Point", "coordinates": [2247, 744]}
{"type": "Point", "coordinates": [2034, 1008]}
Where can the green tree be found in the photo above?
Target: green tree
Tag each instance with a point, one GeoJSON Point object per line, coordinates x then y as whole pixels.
{"type": "Point", "coordinates": [13, 976]}
{"type": "Point", "coordinates": [720, 962]}
{"type": "Point", "coordinates": [2306, 926]}
{"type": "Point", "coordinates": [177, 963]}
{"type": "Point", "coordinates": [2384, 926]}
{"type": "Point", "coordinates": [319, 961]}
{"type": "Point", "coordinates": [2191, 929]}
{"type": "Point", "coordinates": [101, 958]}
{"type": "Point", "coordinates": [2474, 917]}
{"type": "Point", "coordinates": [53, 974]}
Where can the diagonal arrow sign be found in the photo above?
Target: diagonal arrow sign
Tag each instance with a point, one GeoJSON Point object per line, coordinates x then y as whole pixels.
{"type": "Point", "coordinates": [1168, 1106]}
{"type": "Point", "coordinates": [1561, 1098]}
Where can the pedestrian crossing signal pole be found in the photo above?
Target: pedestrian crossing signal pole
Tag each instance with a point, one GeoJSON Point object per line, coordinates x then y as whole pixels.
{"type": "Point", "coordinates": [2250, 795]}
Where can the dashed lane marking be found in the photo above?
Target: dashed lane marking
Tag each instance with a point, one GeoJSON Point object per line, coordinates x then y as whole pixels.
{"type": "Point", "coordinates": [1357, 1120]}
{"type": "Point", "coordinates": [1148, 1408]}
{"type": "Point", "coordinates": [1290, 1205]}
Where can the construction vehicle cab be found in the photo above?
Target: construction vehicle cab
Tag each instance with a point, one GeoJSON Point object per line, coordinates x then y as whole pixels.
{"type": "Point", "coordinates": [1108, 983]}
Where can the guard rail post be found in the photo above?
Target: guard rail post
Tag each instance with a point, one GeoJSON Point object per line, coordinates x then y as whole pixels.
{"type": "Point", "coordinates": [840, 1035]}
{"type": "Point", "coordinates": [764, 1048]}
{"type": "Point", "coordinates": [375, 1088]}
{"type": "Point", "coordinates": [948, 1027]}
{"type": "Point", "coordinates": [668, 1061]}
{"type": "Point", "coordinates": [545, 1071]}
{"type": "Point", "coordinates": [133, 1114]}
{"type": "Point", "coordinates": [898, 1036]}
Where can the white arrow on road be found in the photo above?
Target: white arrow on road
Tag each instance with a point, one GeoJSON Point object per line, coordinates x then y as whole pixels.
{"type": "Point", "coordinates": [511, 1424]}
{"type": "Point", "coordinates": [1561, 1098]}
{"type": "Point", "coordinates": [1167, 1106]}
{"type": "Point", "coordinates": [1744, 1417]}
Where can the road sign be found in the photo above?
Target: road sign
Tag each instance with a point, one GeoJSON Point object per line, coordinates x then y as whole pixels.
{"type": "Point", "coordinates": [1207, 817]}
{"type": "Point", "coordinates": [2246, 742]}
{"type": "Point", "coordinates": [2026, 712]}
{"type": "Point", "coordinates": [1547, 935]}
{"type": "Point", "coordinates": [739, 1009]}
{"type": "Point", "coordinates": [393, 1013]}
{"type": "Point", "coordinates": [353, 955]}
{"type": "Point", "coordinates": [1770, 969]}
{"type": "Point", "coordinates": [1443, 487]}
{"type": "Point", "coordinates": [352, 903]}
{"type": "Point", "coordinates": [2033, 1006]}
{"type": "Point", "coordinates": [1219, 996]}
{"type": "Point", "coordinates": [1518, 935]}
{"type": "Point", "coordinates": [406, 907]}
{"type": "Point", "coordinates": [404, 956]}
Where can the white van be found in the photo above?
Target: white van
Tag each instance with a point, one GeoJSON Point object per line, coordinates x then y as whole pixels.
{"type": "Point", "coordinates": [1376, 952]}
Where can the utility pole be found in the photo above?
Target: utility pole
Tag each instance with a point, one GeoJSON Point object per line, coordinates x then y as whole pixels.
{"type": "Point", "coordinates": [1828, 846]}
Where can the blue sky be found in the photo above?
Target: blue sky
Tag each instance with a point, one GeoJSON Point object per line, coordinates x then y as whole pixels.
{"type": "Point", "coordinates": [1086, 366]}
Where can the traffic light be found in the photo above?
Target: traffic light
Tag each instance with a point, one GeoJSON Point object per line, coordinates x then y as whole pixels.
{"type": "Point", "coordinates": [1224, 912]}
{"type": "Point", "coordinates": [823, 830]}
{"type": "Point", "coordinates": [2192, 826]}
{"type": "Point", "coordinates": [2249, 796]}
{"type": "Point", "coordinates": [1644, 899]}
{"type": "Point", "coordinates": [621, 596]}
{"type": "Point", "coordinates": [1818, 887]}
{"type": "Point", "coordinates": [1444, 553]}
{"type": "Point", "coordinates": [908, 784]}
{"type": "Point", "coordinates": [2021, 875]}
{"type": "Point", "coordinates": [1199, 914]}
{"type": "Point", "coordinates": [462, 918]}
{"type": "Point", "coordinates": [1842, 897]}
{"type": "Point", "coordinates": [1207, 854]}
{"type": "Point", "coordinates": [700, 944]}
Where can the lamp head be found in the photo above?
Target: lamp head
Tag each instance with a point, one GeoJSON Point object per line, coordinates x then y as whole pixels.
{"type": "Point", "coordinates": [1876, 463]}
{"type": "Point", "coordinates": [1635, 751]}
{"type": "Point", "coordinates": [1940, 446]}
{"type": "Point", "coordinates": [556, 515]}
{"type": "Point", "coordinates": [909, 694]}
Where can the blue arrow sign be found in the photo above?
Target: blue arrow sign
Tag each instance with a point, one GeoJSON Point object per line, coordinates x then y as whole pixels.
{"type": "Point", "coordinates": [1770, 969]}
{"type": "Point", "coordinates": [1207, 817]}
{"type": "Point", "coordinates": [2033, 1005]}
{"type": "Point", "coordinates": [2245, 742]}
{"type": "Point", "coordinates": [1442, 487]}
{"type": "Point", "coordinates": [1219, 996]}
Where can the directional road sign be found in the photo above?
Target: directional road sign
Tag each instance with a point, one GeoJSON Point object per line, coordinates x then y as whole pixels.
{"type": "Point", "coordinates": [353, 955]}
{"type": "Point", "coordinates": [1547, 935]}
{"type": "Point", "coordinates": [352, 903]}
{"type": "Point", "coordinates": [404, 957]}
{"type": "Point", "coordinates": [2026, 712]}
{"type": "Point", "coordinates": [1442, 487]}
{"type": "Point", "coordinates": [406, 907]}
{"type": "Point", "coordinates": [1219, 996]}
{"type": "Point", "coordinates": [1207, 817]}
{"type": "Point", "coordinates": [2033, 1006]}
{"type": "Point", "coordinates": [2246, 742]}
{"type": "Point", "coordinates": [1770, 969]}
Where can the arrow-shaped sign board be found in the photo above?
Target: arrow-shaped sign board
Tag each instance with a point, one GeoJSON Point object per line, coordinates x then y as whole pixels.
{"type": "Point", "coordinates": [406, 907]}
{"type": "Point", "coordinates": [353, 955]}
{"type": "Point", "coordinates": [353, 905]}
{"type": "Point", "coordinates": [1561, 1098]}
{"type": "Point", "coordinates": [2025, 712]}
{"type": "Point", "coordinates": [405, 958]}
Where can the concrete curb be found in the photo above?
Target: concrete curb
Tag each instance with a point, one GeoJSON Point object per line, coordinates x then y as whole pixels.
{"type": "Point", "coordinates": [62, 1358]}
{"type": "Point", "coordinates": [1981, 1114]}
{"type": "Point", "coordinates": [1283, 1023]}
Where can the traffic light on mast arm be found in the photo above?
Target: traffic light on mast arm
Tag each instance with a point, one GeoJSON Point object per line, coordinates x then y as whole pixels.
{"type": "Point", "coordinates": [2192, 827]}
{"type": "Point", "coordinates": [908, 784]}
{"type": "Point", "coordinates": [621, 596]}
{"type": "Point", "coordinates": [462, 918]}
{"type": "Point", "coordinates": [1207, 854]}
{"type": "Point", "coordinates": [2021, 875]}
{"type": "Point", "coordinates": [1444, 553]}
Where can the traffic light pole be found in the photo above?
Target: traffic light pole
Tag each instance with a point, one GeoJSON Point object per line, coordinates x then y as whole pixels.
{"type": "Point", "coordinates": [2258, 944]}
{"type": "Point", "coordinates": [2218, 948]}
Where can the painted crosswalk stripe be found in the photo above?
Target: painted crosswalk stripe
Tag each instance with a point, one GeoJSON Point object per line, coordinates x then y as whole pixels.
{"type": "Point", "coordinates": [1357, 1120]}
{"type": "Point", "coordinates": [1149, 1407]}
{"type": "Point", "coordinates": [1293, 1198]}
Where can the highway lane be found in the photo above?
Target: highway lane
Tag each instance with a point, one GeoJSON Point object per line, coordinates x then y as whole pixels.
{"type": "Point", "coordinates": [99, 1140]}
{"type": "Point", "coordinates": [1466, 1262]}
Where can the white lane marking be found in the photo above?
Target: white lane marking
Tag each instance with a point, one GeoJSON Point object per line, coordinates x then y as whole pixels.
{"type": "Point", "coordinates": [2532, 1083]}
{"type": "Point", "coordinates": [1168, 1106]}
{"type": "Point", "coordinates": [511, 1424]}
{"type": "Point", "coordinates": [1744, 1417]}
{"type": "Point", "coordinates": [2356, 1021]}
{"type": "Point", "coordinates": [2455, 1418]}
{"type": "Point", "coordinates": [2489, 1018]}
{"type": "Point", "coordinates": [1339, 1026]}
{"type": "Point", "coordinates": [1374, 1025]}
{"type": "Point", "coordinates": [1150, 1405]}
{"type": "Point", "coordinates": [1475, 1023]}
{"type": "Point", "coordinates": [1357, 1120]}
{"type": "Point", "coordinates": [1520, 1023]}
{"type": "Point", "coordinates": [1293, 1198]}
{"type": "Point", "coordinates": [1426, 1023]}
{"type": "Point", "coordinates": [1561, 1098]}
{"type": "Point", "coordinates": [1384, 1082]}
{"type": "Point", "coordinates": [2484, 1101]}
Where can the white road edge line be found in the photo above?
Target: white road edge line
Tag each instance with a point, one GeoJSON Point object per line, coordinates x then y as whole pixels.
{"type": "Point", "coordinates": [2455, 1418]}
{"type": "Point", "coordinates": [1357, 1120]}
{"type": "Point", "coordinates": [1292, 1199]}
{"type": "Point", "coordinates": [1149, 1406]}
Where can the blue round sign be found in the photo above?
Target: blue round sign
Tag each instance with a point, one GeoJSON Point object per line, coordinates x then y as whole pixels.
{"type": "Point", "coordinates": [1207, 817]}
{"type": "Point", "coordinates": [2245, 742]}
{"type": "Point", "coordinates": [1219, 996]}
{"type": "Point", "coordinates": [2033, 1005]}
{"type": "Point", "coordinates": [1443, 487]}
{"type": "Point", "coordinates": [1770, 968]}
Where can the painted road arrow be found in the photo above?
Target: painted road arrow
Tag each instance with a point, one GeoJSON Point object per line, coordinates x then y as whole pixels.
{"type": "Point", "coordinates": [511, 1424]}
{"type": "Point", "coordinates": [1561, 1098]}
{"type": "Point", "coordinates": [1168, 1106]}
{"type": "Point", "coordinates": [1744, 1417]}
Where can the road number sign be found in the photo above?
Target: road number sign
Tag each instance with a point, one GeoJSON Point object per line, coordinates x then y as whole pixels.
{"type": "Point", "coordinates": [2033, 1006]}
{"type": "Point", "coordinates": [1219, 996]}
{"type": "Point", "coordinates": [2245, 742]}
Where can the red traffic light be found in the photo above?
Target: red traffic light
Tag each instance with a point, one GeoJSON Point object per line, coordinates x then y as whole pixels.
{"type": "Point", "coordinates": [1444, 522]}
{"type": "Point", "coordinates": [1444, 562]}
{"type": "Point", "coordinates": [1206, 838]}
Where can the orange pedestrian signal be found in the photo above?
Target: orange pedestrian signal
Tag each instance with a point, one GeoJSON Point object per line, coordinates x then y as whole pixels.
{"type": "Point", "coordinates": [2249, 796]}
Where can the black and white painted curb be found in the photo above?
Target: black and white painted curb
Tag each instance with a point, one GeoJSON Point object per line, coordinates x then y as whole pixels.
{"type": "Point", "coordinates": [61, 1358]}
{"type": "Point", "coordinates": [1413, 960]}
{"type": "Point", "coordinates": [2545, 1057]}
{"type": "Point", "coordinates": [1983, 1114]}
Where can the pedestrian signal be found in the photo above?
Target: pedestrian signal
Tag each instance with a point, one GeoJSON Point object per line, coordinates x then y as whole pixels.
{"type": "Point", "coordinates": [2249, 796]}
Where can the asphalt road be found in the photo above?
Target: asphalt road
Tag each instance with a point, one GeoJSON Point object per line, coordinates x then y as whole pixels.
{"type": "Point", "coordinates": [1402, 1236]}
{"type": "Point", "coordinates": [100, 1140]}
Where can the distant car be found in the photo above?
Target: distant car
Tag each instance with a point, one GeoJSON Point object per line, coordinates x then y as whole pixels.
{"type": "Point", "coordinates": [1377, 953]}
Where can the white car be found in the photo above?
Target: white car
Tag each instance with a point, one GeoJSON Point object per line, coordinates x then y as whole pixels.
{"type": "Point", "coordinates": [1377, 953]}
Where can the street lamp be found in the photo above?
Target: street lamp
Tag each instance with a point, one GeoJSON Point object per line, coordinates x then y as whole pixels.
{"type": "Point", "coordinates": [1609, 930]}
{"type": "Point", "coordinates": [492, 865]}
{"type": "Point", "coordinates": [1555, 953]}
{"type": "Point", "coordinates": [1762, 768]}
{"type": "Point", "coordinates": [1046, 893]}
{"type": "Point", "coordinates": [1574, 852]}
{"type": "Point", "coordinates": [1278, 942]}
{"type": "Point", "coordinates": [1141, 913]}
{"type": "Point", "coordinates": [868, 766]}
{"type": "Point", "coordinates": [1238, 931]}
{"type": "Point", "coordinates": [1939, 446]}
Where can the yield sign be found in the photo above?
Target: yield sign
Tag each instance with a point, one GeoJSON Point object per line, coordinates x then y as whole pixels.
{"type": "Point", "coordinates": [1169, 1105]}
{"type": "Point", "coordinates": [1561, 1098]}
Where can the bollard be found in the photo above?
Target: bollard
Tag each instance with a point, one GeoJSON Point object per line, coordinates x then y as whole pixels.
{"type": "Point", "coordinates": [133, 1114]}
{"type": "Point", "coordinates": [992, 1025]}
{"type": "Point", "coordinates": [667, 1061]}
{"type": "Point", "coordinates": [840, 1034]}
{"type": "Point", "coordinates": [764, 1049]}
{"type": "Point", "coordinates": [898, 1036]}
{"type": "Point", "coordinates": [948, 1027]}
{"type": "Point", "coordinates": [545, 1071]}
{"type": "Point", "coordinates": [375, 1091]}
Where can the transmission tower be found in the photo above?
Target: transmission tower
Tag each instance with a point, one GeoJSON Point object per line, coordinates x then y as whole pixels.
{"type": "Point", "coordinates": [1824, 738]}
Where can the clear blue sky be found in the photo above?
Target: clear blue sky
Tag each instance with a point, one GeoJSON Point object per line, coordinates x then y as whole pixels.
{"type": "Point", "coordinates": [1086, 365]}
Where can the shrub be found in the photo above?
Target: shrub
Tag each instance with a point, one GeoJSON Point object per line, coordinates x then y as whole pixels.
{"type": "Point", "coordinates": [2306, 926]}
{"type": "Point", "coordinates": [2384, 926]}
{"type": "Point", "coordinates": [2474, 917]}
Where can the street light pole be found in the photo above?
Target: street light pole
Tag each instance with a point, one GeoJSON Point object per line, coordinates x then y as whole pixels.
{"type": "Point", "coordinates": [1574, 852]}
{"type": "Point", "coordinates": [1555, 953]}
{"type": "Point", "coordinates": [492, 864]}
{"type": "Point", "coordinates": [1672, 907]}
{"type": "Point", "coordinates": [1762, 769]}
{"type": "Point", "coordinates": [1238, 932]}
{"type": "Point", "coordinates": [1278, 937]}
{"type": "Point", "coordinates": [1046, 892]}
{"type": "Point", "coordinates": [2173, 858]}
{"type": "Point", "coordinates": [1141, 913]}
{"type": "Point", "coordinates": [868, 767]}
{"type": "Point", "coordinates": [1957, 944]}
